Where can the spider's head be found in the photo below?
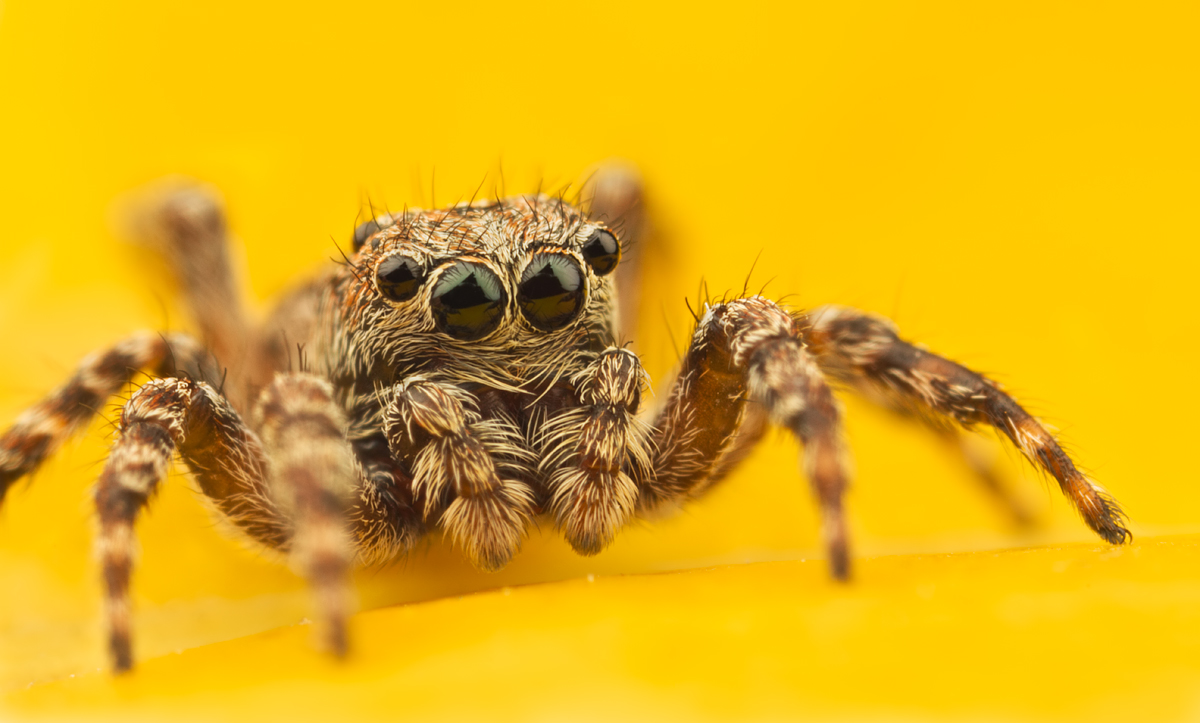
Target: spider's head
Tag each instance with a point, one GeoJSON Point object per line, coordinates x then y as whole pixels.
{"type": "Point", "coordinates": [521, 283]}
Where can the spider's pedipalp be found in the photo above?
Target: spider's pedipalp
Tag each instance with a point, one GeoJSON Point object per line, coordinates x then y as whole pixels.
{"type": "Point", "coordinates": [588, 452]}
{"type": "Point", "coordinates": [454, 475]}
{"type": "Point", "coordinates": [42, 428]}
{"type": "Point", "coordinates": [860, 348]}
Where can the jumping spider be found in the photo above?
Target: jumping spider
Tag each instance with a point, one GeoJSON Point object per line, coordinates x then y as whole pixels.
{"type": "Point", "coordinates": [461, 370]}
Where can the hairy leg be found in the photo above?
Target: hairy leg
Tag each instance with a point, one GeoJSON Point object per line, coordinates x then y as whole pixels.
{"type": "Point", "coordinates": [748, 351]}
{"type": "Point", "coordinates": [588, 452]}
{"type": "Point", "coordinates": [42, 428]}
{"type": "Point", "coordinates": [985, 467]}
{"type": "Point", "coordinates": [288, 490]}
{"type": "Point", "coordinates": [466, 473]}
{"type": "Point", "coordinates": [186, 223]}
{"type": "Point", "coordinates": [863, 349]}
{"type": "Point", "coordinates": [313, 481]}
{"type": "Point", "coordinates": [162, 417]}
{"type": "Point", "coordinates": [613, 196]}
{"type": "Point", "coordinates": [974, 452]}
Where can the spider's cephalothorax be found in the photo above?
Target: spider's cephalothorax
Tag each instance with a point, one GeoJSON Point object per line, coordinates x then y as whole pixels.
{"type": "Point", "coordinates": [461, 370]}
{"type": "Point", "coordinates": [468, 342]}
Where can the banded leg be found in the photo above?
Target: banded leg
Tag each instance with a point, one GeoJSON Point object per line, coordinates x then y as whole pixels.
{"type": "Point", "coordinates": [187, 224]}
{"type": "Point", "coordinates": [589, 451]}
{"type": "Point", "coordinates": [456, 478]}
{"type": "Point", "coordinates": [313, 480]}
{"type": "Point", "coordinates": [42, 428]}
{"type": "Point", "coordinates": [614, 197]}
{"type": "Point", "coordinates": [863, 349]}
{"type": "Point", "coordinates": [983, 462]}
{"type": "Point", "coordinates": [386, 523]}
{"type": "Point", "coordinates": [748, 349]}
{"type": "Point", "coordinates": [163, 416]}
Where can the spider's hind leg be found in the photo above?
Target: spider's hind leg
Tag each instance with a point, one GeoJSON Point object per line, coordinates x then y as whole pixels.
{"type": "Point", "coordinates": [614, 196]}
{"type": "Point", "coordinates": [185, 221]}
{"type": "Point", "coordinates": [984, 465]}
{"type": "Point", "coordinates": [862, 349]}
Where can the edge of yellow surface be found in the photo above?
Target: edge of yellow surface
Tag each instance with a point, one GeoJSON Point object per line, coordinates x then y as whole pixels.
{"type": "Point", "coordinates": [1116, 630]}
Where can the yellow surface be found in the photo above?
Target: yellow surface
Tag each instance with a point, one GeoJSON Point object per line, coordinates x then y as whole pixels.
{"type": "Point", "coordinates": [757, 641]}
{"type": "Point", "coordinates": [1015, 184]}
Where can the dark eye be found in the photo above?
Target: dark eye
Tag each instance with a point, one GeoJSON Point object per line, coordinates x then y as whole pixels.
{"type": "Point", "coordinates": [468, 301]}
{"type": "Point", "coordinates": [551, 291]}
{"type": "Point", "coordinates": [398, 277]}
{"type": "Point", "coordinates": [602, 251]}
{"type": "Point", "coordinates": [368, 229]}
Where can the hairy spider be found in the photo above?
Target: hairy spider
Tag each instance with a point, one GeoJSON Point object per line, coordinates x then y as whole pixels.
{"type": "Point", "coordinates": [461, 370]}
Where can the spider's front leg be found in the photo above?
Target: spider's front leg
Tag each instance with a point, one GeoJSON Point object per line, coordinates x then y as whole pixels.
{"type": "Point", "coordinates": [287, 491]}
{"type": "Point", "coordinates": [750, 350]}
{"type": "Point", "coordinates": [466, 472]}
{"type": "Point", "coordinates": [863, 349]}
{"type": "Point", "coordinates": [42, 428]}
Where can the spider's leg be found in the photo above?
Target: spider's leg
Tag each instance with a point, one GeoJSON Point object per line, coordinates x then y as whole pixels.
{"type": "Point", "coordinates": [186, 223]}
{"type": "Point", "coordinates": [385, 521]}
{"type": "Point", "coordinates": [614, 198]}
{"type": "Point", "coordinates": [163, 416]}
{"type": "Point", "coordinates": [861, 348]}
{"type": "Point", "coordinates": [589, 451]}
{"type": "Point", "coordinates": [287, 490]}
{"type": "Point", "coordinates": [982, 460]}
{"type": "Point", "coordinates": [749, 350]}
{"type": "Point", "coordinates": [313, 480]}
{"type": "Point", "coordinates": [42, 428]}
{"type": "Point", "coordinates": [466, 472]}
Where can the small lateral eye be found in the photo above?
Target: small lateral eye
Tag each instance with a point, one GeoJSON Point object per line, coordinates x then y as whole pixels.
{"type": "Point", "coordinates": [367, 229]}
{"type": "Point", "coordinates": [551, 291]}
{"type": "Point", "coordinates": [602, 251]}
{"type": "Point", "coordinates": [398, 277]}
{"type": "Point", "coordinates": [468, 301]}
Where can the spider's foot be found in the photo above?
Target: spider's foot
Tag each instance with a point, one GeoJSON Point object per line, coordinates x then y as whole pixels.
{"type": "Point", "coordinates": [1100, 511]}
{"type": "Point", "coordinates": [1111, 525]}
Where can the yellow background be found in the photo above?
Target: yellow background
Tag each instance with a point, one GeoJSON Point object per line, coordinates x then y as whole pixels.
{"type": "Point", "coordinates": [1015, 184]}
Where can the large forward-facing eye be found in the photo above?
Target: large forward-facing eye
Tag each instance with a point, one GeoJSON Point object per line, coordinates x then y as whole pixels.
{"type": "Point", "coordinates": [602, 251]}
{"type": "Point", "coordinates": [398, 277]}
{"type": "Point", "coordinates": [551, 291]}
{"type": "Point", "coordinates": [468, 301]}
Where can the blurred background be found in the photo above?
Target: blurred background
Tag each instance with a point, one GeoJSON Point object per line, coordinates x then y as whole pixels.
{"type": "Point", "coordinates": [1014, 184]}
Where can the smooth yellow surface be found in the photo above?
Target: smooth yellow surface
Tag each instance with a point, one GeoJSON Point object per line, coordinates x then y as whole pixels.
{"type": "Point", "coordinates": [1015, 184]}
{"type": "Point", "coordinates": [920, 637]}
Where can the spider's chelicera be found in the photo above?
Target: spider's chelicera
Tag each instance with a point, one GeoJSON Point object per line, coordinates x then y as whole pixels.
{"type": "Point", "coordinates": [462, 371]}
